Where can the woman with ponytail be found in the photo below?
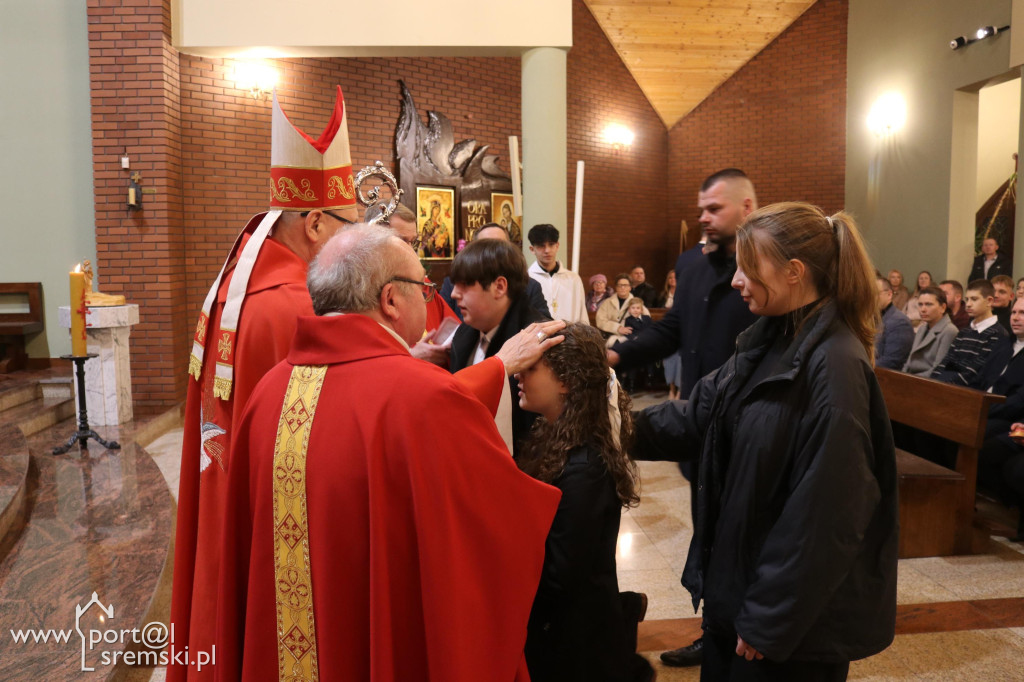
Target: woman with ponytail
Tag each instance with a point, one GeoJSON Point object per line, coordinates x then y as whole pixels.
{"type": "Point", "coordinates": [795, 541]}
{"type": "Point", "coordinates": [581, 628]}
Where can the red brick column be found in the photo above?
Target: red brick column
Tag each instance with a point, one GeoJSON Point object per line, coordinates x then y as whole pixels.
{"type": "Point", "coordinates": [135, 109]}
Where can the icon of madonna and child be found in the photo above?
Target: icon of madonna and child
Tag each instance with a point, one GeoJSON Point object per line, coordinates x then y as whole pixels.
{"type": "Point", "coordinates": [436, 222]}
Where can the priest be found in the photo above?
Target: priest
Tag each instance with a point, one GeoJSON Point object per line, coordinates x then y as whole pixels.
{"type": "Point", "coordinates": [245, 327]}
{"type": "Point", "coordinates": [365, 538]}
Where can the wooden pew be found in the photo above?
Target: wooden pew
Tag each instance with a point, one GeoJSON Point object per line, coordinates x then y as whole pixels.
{"type": "Point", "coordinates": [14, 327]}
{"type": "Point", "coordinates": [936, 503]}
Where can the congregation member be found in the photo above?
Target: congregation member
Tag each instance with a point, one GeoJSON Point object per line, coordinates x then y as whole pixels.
{"type": "Point", "coordinates": [990, 262]}
{"type": "Point", "coordinates": [900, 295]}
{"type": "Point", "coordinates": [534, 293]}
{"type": "Point", "coordinates": [443, 542]}
{"type": "Point", "coordinates": [933, 337]}
{"type": "Point", "coordinates": [972, 346]}
{"type": "Point", "coordinates": [489, 287]}
{"type": "Point", "coordinates": [1019, 291]}
{"type": "Point", "coordinates": [598, 292]}
{"type": "Point", "coordinates": [636, 321]}
{"type": "Point", "coordinates": [611, 314]}
{"type": "Point", "coordinates": [668, 292]}
{"type": "Point", "coordinates": [579, 630]}
{"type": "Point", "coordinates": [791, 429]}
{"type": "Point", "coordinates": [245, 327]}
{"type": "Point", "coordinates": [955, 299]}
{"type": "Point", "coordinates": [1002, 299]}
{"type": "Point", "coordinates": [642, 289]}
{"type": "Point", "coordinates": [896, 334]}
{"type": "Point", "coordinates": [924, 279]}
{"type": "Point", "coordinates": [563, 289]}
{"type": "Point", "coordinates": [706, 317]}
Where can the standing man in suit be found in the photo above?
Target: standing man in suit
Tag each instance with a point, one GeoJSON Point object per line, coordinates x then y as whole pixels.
{"type": "Point", "coordinates": [489, 287]}
{"type": "Point", "coordinates": [990, 263]}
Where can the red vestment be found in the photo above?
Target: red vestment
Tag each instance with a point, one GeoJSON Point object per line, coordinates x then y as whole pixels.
{"type": "Point", "coordinates": [276, 296]}
{"type": "Point", "coordinates": [425, 541]}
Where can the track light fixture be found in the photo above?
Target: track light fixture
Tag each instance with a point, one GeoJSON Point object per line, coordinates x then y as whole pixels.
{"type": "Point", "coordinates": [980, 34]}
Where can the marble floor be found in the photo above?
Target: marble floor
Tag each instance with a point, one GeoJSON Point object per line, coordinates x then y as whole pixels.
{"type": "Point", "coordinates": [960, 618]}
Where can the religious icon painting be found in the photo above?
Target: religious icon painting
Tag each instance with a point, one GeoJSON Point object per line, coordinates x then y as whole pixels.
{"type": "Point", "coordinates": [503, 213]}
{"type": "Point", "coordinates": [435, 222]}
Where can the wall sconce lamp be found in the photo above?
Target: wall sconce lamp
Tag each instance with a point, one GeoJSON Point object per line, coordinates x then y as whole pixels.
{"type": "Point", "coordinates": [618, 136]}
{"type": "Point", "coordinates": [980, 34]}
{"type": "Point", "coordinates": [256, 77]}
{"type": "Point", "coordinates": [888, 114]}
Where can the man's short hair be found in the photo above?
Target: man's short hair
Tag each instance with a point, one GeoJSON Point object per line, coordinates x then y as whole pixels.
{"type": "Point", "coordinates": [983, 287]}
{"type": "Point", "coordinates": [635, 267]}
{"type": "Point", "coordinates": [484, 261]}
{"type": "Point", "coordinates": [957, 287]}
{"type": "Point", "coordinates": [543, 234]}
{"type": "Point", "coordinates": [352, 268]}
{"type": "Point", "coordinates": [724, 174]}
{"type": "Point", "coordinates": [490, 226]}
{"type": "Point", "coordinates": [886, 284]}
{"type": "Point", "coordinates": [402, 211]}
{"type": "Point", "coordinates": [1005, 280]}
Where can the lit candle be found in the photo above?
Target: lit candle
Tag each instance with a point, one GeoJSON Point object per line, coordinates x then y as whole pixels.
{"type": "Point", "coordinates": [78, 311]}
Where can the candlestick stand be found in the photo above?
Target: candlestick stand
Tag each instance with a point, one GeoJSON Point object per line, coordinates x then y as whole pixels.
{"type": "Point", "coordinates": [84, 433]}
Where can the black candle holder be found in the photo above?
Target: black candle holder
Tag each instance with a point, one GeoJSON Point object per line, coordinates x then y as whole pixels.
{"type": "Point", "coordinates": [84, 433]}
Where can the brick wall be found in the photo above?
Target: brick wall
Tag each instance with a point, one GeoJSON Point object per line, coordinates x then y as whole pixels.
{"type": "Point", "coordinates": [226, 133]}
{"type": "Point", "coordinates": [624, 199]}
{"type": "Point", "coordinates": [204, 146]}
{"type": "Point", "coordinates": [781, 118]}
{"type": "Point", "coordinates": [135, 109]}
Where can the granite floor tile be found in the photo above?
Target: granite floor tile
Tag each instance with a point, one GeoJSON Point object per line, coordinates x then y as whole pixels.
{"type": "Point", "coordinates": [666, 597]}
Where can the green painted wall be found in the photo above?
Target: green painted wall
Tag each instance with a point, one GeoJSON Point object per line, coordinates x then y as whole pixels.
{"type": "Point", "coordinates": [46, 187]}
{"type": "Point", "coordinates": [916, 213]}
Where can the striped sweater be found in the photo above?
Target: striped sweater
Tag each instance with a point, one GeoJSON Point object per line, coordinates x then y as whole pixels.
{"type": "Point", "coordinates": [967, 354]}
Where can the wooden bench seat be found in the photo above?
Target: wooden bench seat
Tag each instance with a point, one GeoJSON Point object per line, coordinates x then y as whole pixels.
{"type": "Point", "coordinates": [15, 326]}
{"type": "Point", "coordinates": [936, 503]}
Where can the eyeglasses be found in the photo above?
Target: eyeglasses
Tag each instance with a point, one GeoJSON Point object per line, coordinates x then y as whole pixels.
{"type": "Point", "coordinates": [333, 215]}
{"type": "Point", "coordinates": [427, 287]}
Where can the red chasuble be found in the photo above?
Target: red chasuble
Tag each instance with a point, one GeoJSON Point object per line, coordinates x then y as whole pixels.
{"type": "Point", "coordinates": [378, 529]}
{"type": "Point", "coordinates": [276, 296]}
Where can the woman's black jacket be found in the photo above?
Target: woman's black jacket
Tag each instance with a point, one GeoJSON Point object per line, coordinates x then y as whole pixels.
{"type": "Point", "coordinates": [795, 540]}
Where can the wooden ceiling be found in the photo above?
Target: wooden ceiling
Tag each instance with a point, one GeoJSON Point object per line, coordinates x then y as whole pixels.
{"type": "Point", "coordinates": [679, 51]}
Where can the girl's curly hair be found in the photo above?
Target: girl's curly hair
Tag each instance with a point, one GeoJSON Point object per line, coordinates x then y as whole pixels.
{"type": "Point", "coordinates": [581, 364]}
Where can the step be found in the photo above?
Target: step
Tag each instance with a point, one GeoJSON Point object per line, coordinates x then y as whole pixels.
{"type": "Point", "coordinates": [13, 497]}
{"type": "Point", "coordinates": [39, 414]}
{"type": "Point", "coordinates": [57, 387]}
{"type": "Point", "coordinates": [18, 394]}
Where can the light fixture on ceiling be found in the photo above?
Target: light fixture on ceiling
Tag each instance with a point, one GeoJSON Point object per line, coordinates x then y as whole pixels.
{"type": "Point", "coordinates": [988, 31]}
{"type": "Point", "coordinates": [888, 114]}
{"type": "Point", "coordinates": [618, 136]}
{"type": "Point", "coordinates": [256, 77]}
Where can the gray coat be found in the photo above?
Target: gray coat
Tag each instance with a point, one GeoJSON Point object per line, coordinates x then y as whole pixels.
{"type": "Point", "coordinates": [930, 346]}
{"type": "Point", "coordinates": [894, 339]}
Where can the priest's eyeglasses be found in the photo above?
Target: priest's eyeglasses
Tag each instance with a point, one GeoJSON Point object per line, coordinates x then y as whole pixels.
{"type": "Point", "coordinates": [427, 287]}
{"type": "Point", "coordinates": [333, 215]}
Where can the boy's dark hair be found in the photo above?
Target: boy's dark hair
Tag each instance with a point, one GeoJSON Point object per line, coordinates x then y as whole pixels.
{"type": "Point", "coordinates": [983, 287]}
{"type": "Point", "coordinates": [484, 261]}
{"type": "Point", "coordinates": [724, 174]}
{"type": "Point", "coordinates": [543, 234]}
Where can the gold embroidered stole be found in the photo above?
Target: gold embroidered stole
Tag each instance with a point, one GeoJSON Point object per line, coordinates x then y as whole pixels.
{"type": "Point", "coordinates": [296, 630]}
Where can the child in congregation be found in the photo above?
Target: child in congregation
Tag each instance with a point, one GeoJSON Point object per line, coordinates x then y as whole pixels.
{"type": "Point", "coordinates": [638, 320]}
{"type": "Point", "coordinates": [581, 628]}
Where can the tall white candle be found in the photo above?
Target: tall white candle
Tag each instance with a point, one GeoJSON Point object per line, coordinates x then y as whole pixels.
{"type": "Point", "coordinates": [517, 182]}
{"type": "Point", "coordinates": [577, 219]}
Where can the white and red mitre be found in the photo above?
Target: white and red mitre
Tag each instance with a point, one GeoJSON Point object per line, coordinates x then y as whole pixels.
{"type": "Point", "coordinates": [307, 173]}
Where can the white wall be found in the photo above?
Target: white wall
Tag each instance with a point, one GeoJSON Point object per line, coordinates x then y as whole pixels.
{"type": "Point", "coordinates": [46, 184]}
{"type": "Point", "coordinates": [998, 128]}
{"type": "Point", "coordinates": [344, 28]}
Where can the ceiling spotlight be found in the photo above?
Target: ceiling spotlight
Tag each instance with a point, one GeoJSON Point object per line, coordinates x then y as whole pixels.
{"type": "Point", "coordinates": [959, 41]}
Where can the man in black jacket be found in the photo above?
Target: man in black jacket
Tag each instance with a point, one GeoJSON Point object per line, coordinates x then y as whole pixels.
{"type": "Point", "coordinates": [990, 263]}
{"type": "Point", "coordinates": [706, 316]}
{"type": "Point", "coordinates": [489, 286]}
